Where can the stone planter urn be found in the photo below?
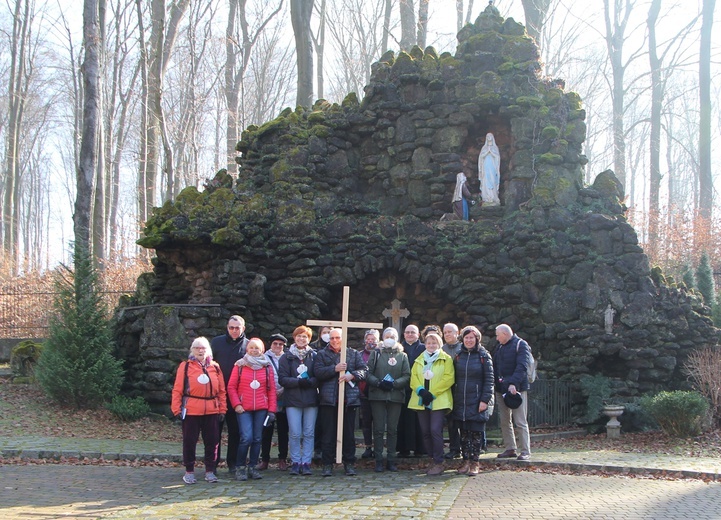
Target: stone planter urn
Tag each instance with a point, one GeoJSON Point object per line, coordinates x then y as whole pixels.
{"type": "Point", "coordinates": [613, 412]}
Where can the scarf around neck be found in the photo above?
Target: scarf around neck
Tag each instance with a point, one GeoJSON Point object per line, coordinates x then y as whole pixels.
{"type": "Point", "coordinates": [299, 353]}
{"type": "Point", "coordinates": [429, 359]}
{"type": "Point", "coordinates": [254, 363]}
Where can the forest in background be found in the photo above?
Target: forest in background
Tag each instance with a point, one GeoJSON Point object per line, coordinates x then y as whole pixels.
{"type": "Point", "coordinates": [114, 110]}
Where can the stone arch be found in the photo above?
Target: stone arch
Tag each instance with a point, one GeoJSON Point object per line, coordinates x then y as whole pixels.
{"type": "Point", "coordinates": [373, 293]}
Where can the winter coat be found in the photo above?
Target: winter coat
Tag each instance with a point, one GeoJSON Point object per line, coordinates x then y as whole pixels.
{"type": "Point", "coordinates": [261, 398]}
{"type": "Point", "coordinates": [380, 364]}
{"type": "Point", "coordinates": [226, 351]}
{"type": "Point", "coordinates": [474, 383]}
{"type": "Point", "coordinates": [452, 349]}
{"type": "Point", "coordinates": [275, 364]}
{"type": "Point", "coordinates": [200, 399]}
{"type": "Point", "coordinates": [510, 362]}
{"type": "Point", "coordinates": [439, 385]}
{"type": "Point", "coordinates": [294, 395]}
{"type": "Point", "coordinates": [325, 362]}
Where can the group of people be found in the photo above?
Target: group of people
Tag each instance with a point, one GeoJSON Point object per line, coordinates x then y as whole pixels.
{"type": "Point", "coordinates": [406, 391]}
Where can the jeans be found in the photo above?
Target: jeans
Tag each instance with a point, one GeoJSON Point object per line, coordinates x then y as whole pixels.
{"type": "Point", "coordinates": [519, 416]}
{"type": "Point", "coordinates": [301, 429]}
{"type": "Point", "coordinates": [251, 435]}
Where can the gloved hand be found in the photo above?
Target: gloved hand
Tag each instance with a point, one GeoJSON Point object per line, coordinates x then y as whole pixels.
{"type": "Point", "coordinates": [426, 396]}
{"type": "Point", "coordinates": [271, 418]}
{"type": "Point", "coordinates": [221, 417]}
{"type": "Point", "coordinates": [386, 386]}
{"type": "Point", "coordinates": [305, 382]}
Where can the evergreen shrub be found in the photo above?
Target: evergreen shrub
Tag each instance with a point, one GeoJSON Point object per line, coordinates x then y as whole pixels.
{"type": "Point", "coordinates": [77, 367]}
{"type": "Point", "coordinates": [128, 409]}
{"type": "Point", "coordinates": [678, 413]}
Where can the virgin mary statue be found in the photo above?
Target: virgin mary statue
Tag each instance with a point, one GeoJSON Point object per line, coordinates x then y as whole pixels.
{"type": "Point", "coordinates": [489, 171]}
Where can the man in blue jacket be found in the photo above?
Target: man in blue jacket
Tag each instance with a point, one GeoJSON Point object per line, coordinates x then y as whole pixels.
{"type": "Point", "coordinates": [510, 362]}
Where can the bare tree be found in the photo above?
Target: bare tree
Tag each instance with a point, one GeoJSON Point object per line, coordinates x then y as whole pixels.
{"type": "Point", "coordinates": [319, 45]}
{"type": "Point", "coordinates": [88, 160]}
{"type": "Point", "coordinates": [17, 94]}
{"type": "Point", "coordinates": [535, 11]}
{"type": "Point", "coordinates": [616, 16]}
{"type": "Point", "coordinates": [300, 14]}
{"type": "Point", "coordinates": [163, 33]}
{"type": "Point", "coordinates": [240, 40]}
{"type": "Point", "coordinates": [422, 22]}
{"type": "Point", "coordinates": [408, 24]}
{"type": "Point", "coordinates": [386, 25]}
{"type": "Point", "coordinates": [704, 79]}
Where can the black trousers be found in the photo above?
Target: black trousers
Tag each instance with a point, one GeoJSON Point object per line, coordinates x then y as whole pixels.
{"type": "Point", "coordinates": [329, 420]}
{"type": "Point", "coordinates": [233, 437]}
{"type": "Point", "coordinates": [281, 424]}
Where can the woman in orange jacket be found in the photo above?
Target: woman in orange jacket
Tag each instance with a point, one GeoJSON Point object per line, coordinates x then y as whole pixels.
{"type": "Point", "coordinates": [252, 394]}
{"type": "Point", "coordinates": [198, 398]}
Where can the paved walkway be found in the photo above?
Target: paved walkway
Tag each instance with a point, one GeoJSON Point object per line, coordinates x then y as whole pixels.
{"type": "Point", "coordinates": [43, 491]}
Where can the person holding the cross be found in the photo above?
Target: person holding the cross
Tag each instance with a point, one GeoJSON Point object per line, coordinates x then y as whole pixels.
{"type": "Point", "coordinates": [331, 373]}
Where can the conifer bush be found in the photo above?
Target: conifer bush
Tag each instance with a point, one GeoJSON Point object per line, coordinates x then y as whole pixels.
{"type": "Point", "coordinates": [128, 409]}
{"type": "Point", "coordinates": [77, 367]}
{"type": "Point", "coordinates": [678, 413]}
{"type": "Point", "coordinates": [704, 280]}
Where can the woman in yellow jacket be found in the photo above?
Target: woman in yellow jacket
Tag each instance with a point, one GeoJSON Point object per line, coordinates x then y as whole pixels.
{"type": "Point", "coordinates": [199, 399]}
{"type": "Point", "coordinates": [432, 377]}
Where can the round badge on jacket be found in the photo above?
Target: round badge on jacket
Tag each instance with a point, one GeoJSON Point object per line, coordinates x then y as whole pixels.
{"type": "Point", "coordinates": [392, 361]}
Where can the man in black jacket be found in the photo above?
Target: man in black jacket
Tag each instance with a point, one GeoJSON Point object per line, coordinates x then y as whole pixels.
{"type": "Point", "coordinates": [328, 370]}
{"type": "Point", "coordinates": [227, 349]}
{"type": "Point", "coordinates": [510, 362]}
{"type": "Point", "coordinates": [452, 347]}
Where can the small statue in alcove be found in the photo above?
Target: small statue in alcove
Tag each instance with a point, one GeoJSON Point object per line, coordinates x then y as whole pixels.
{"type": "Point", "coordinates": [489, 171]}
{"type": "Point", "coordinates": [462, 197]}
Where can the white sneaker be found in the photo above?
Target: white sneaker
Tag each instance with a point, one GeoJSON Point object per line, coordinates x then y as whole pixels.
{"type": "Point", "coordinates": [210, 477]}
{"type": "Point", "coordinates": [189, 478]}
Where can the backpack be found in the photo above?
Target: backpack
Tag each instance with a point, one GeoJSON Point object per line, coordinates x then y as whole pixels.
{"type": "Point", "coordinates": [531, 365]}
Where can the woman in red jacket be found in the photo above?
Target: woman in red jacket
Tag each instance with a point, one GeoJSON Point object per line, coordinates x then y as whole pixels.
{"type": "Point", "coordinates": [251, 391]}
{"type": "Point", "coordinates": [198, 398]}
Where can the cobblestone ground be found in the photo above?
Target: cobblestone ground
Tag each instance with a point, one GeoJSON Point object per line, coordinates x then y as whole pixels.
{"type": "Point", "coordinates": [59, 491]}
{"type": "Point", "coordinates": [533, 496]}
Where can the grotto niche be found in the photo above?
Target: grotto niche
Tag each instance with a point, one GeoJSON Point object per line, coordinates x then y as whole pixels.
{"type": "Point", "coordinates": [353, 194]}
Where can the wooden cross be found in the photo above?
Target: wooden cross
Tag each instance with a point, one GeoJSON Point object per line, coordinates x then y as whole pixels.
{"type": "Point", "coordinates": [344, 325]}
{"type": "Point", "coordinates": [395, 313]}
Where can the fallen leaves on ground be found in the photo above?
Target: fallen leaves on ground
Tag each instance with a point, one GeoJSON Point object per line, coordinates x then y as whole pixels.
{"type": "Point", "coordinates": [25, 410]}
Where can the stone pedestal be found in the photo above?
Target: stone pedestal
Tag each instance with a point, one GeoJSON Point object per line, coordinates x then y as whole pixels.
{"type": "Point", "coordinates": [613, 412]}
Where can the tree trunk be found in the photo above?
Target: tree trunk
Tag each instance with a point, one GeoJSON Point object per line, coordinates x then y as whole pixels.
{"type": "Point", "coordinates": [408, 24]}
{"type": "Point", "coordinates": [704, 145]}
{"type": "Point", "coordinates": [655, 140]}
{"type": "Point", "coordinates": [91, 119]}
{"type": "Point", "coordinates": [535, 11]}
{"type": "Point", "coordinates": [422, 22]}
{"type": "Point", "coordinates": [300, 14]}
{"type": "Point", "coordinates": [16, 108]}
{"type": "Point", "coordinates": [616, 22]}
{"type": "Point", "coordinates": [386, 25]}
{"type": "Point", "coordinates": [238, 41]}
{"type": "Point", "coordinates": [459, 15]}
{"type": "Point", "coordinates": [319, 44]}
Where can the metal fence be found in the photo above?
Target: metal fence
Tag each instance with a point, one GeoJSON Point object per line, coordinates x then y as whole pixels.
{"type": "Point", "coordinates": [26, 314]}
{"type": "Point", "coordinates": [549, 404]}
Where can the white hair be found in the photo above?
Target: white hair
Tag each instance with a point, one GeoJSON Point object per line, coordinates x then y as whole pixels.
{"type": "Point", "coordinates": [392, 332]}
{"type": "Point", "coordinates": [202, 342]}
{"type": "Point", "coordinates": [505, 328]}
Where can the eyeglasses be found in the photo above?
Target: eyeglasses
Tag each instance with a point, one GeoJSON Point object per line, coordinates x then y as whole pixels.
{"type": "Point", "coordinates": [230, 327]}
